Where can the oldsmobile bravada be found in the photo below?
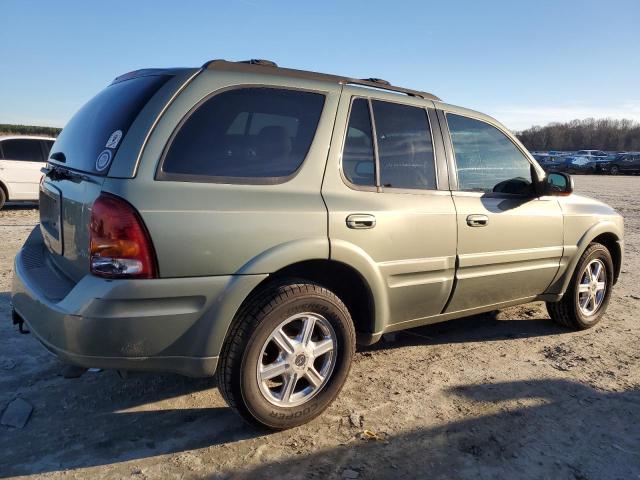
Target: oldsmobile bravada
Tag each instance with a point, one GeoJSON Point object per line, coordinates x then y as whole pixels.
{"type": "Point", "coordinates": [254, 222]}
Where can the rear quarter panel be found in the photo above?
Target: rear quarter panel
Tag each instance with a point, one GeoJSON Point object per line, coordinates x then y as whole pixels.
{"type": "Point", "coordinates": [201, 229]}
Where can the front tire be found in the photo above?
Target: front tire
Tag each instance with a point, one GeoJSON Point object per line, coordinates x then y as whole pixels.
{"type": "Point", "coordinates": [587, 297]}
{"type": "Point", "coordinates": [3, 198]}
{"type": "Point", "coordinates": [287, 355]}
{"type": "Point", "coordinates": [615, 170]}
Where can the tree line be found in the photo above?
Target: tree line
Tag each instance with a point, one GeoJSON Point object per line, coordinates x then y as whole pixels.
{"type": "Point", "coordinates": [597, 134]}
{"type": "Point", "coordinates": [7, 129]}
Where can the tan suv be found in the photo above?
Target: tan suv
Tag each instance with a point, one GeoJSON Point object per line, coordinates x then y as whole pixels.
{"type": "Point", "coordinates": [254, 222]}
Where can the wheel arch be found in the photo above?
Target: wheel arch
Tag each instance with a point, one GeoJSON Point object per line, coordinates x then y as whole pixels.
{"type": "Point", "coordinates": [342, 279]}
{"type": "Point", "coordinates": [604, 232]}
{"type": "Point", "coordinates": [612, 242]}
{"type": "Point", "coordinates": [5, 189]}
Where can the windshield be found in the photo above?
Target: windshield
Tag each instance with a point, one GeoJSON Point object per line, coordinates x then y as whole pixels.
{"type": "Point", "coordinates": [92, 137]}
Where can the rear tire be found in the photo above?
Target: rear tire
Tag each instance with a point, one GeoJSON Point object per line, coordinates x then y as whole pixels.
{"type": "Point", "coordinates": [3, 198]}
{"type": "Point", "coordinates": [267, 350]}
{"type": "Point", "coordinates": [614, 170]}
{"type": "Point", "coordinates": [586, 299]}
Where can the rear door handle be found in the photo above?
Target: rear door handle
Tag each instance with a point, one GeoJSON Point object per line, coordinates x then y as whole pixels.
{"type": "Point", "coordinates": [361, 221]}
{"type": "Point", "coordinates": [477, 220]}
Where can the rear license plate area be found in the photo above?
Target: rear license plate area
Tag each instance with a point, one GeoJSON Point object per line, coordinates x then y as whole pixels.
{"type": "Point", "coordinates": [50, 217]}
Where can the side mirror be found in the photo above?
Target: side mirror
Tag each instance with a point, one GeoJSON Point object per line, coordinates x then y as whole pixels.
{"type": "Point", "coordinates": [557, 183]}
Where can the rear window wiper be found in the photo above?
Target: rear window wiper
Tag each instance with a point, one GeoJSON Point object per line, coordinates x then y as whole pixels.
{"type": "Point", "coordinates": [55, 172]}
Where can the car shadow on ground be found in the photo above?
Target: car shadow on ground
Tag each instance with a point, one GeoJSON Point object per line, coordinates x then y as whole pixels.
{"type": "Point", "coordinates": [477, 328]}
{"type": "Point", "coordinates": [98, 420]}
{"type": "Point", "coordinates": [540, 429]}
{"type": "Point", "coordinates": [19, 206]}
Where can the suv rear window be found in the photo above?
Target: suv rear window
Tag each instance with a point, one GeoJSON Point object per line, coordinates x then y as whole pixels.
{"type": "Point", "coordinates": [91, 138]}
{"type": "Point", "coordinates": [248, 135]}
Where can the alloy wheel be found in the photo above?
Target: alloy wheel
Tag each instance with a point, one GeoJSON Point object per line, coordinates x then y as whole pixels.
{"type": "Point", "coordinates": [592, 287]}
{"type": "Point", "coordinates": [297, 360]}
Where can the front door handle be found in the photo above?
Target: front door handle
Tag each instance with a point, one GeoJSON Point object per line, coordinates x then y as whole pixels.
{"type": "Point", "coordinates": [361, 221]}
{"type": "Point", "coordinates": [477, 220]}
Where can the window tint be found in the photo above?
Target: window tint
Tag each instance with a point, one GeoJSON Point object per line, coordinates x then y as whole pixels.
{"type": "Point", "coordinates": [47, 144]}
{"type": "Point", "coordinates": [404, 146]}
{"type": "Point", "coordinates": [94, 134]}
{"type": "Point", "coordinates": [486, 160]}
{"type": "Point", "coordinates": [246, 133]}
{"type": "Point", "coordinates": [358, 161]}
{"type": "Point", "coordinates": [23, 149]}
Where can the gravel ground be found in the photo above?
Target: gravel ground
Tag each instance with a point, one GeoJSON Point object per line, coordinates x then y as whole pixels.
{"type": "Point", "coordinates": [509, 395]}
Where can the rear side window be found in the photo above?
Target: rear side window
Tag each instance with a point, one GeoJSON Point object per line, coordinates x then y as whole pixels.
{"type": "Point", "coordinates": [22, 149]}
{"type": "Point", "coordinates": [253, 135]}
{"type": "Point", "coordinates": [358, 162]}
{"type": "Point", "coordinates": [91, 138]}
{"type": "Point", "coordinates": [404, 146]}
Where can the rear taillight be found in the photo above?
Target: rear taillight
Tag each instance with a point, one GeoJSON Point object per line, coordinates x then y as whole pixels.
{"type": "Point", "coordinates": [120, 246]}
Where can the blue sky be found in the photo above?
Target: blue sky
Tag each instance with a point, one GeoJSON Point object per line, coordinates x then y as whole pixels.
{"type": "Point", "coordinates": [524, 62]}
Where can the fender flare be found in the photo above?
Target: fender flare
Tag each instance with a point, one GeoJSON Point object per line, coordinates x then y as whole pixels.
{"type": "Point", "coordinates": [251, 275]}
{"type": "Point", "coordinates": [354, 256]}
{"type": "Point", "coordinates": [572, 254]}
{"type": "Point", "coordinates": [285, 254]}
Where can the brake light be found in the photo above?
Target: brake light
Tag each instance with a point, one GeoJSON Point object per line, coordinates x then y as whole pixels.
{"type": "Point", "coordinates": [120, 245]}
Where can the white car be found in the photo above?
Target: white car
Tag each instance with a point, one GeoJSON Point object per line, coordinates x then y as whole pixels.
{"type": "Point", "coordinates": [21, 158]}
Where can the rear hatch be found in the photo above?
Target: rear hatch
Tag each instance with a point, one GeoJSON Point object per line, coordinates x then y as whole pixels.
{"type": "Point", "coordinates": [79, 162]}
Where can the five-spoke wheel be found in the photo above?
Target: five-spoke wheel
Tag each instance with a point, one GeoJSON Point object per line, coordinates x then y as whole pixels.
{"type": "Point", "coordinates": [587, 296]}
{"type": "Point", "coordinates": [287, 355]}
{"type": "Point", "coordinates": [592, 287]}
{"type": "Point", "coordinates": [297, 359]}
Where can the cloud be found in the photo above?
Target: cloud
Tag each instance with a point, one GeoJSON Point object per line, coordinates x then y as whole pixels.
{"type": "Point", "coordinates": [521, 117]}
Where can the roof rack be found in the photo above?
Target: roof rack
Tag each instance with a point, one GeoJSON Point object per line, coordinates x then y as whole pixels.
{"type": "Point", "coordinates": [260, 65]}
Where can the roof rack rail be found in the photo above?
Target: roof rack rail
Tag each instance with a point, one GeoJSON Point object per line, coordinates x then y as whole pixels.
{"type": "Point", "coordinates": [384, 85]}
{"type": "Point", "coordinates": [260, 61]}
{"type": "Point", "coordinates": [253, 61]}
{"type": "Point", "coordinates": [377, 80]}
{"type": "Point", "coordinates": [254, 65]}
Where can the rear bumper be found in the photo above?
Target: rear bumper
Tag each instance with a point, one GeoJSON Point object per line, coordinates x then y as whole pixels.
{"type": "Point", "coordinates": [173, 325]}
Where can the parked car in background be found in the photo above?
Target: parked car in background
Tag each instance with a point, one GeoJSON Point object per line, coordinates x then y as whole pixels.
{"type": "Point", "coordinates": [628, 162]}
{"type": "Point", "coordinates": [254, 222]}
{"type": "Point", "coordinates": [21, 158]}
{"type": "Point", "coordinates": [551, 162]}
{"type": "Point", "coordinates": [586, 161]}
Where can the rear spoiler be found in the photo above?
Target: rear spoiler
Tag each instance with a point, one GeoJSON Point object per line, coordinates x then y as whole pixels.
{"type": "Point", "coordinates": [145, 72]}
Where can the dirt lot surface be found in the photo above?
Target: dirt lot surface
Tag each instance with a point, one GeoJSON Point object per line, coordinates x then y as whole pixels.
{"type": "Point", "coordinates": [495, 396]}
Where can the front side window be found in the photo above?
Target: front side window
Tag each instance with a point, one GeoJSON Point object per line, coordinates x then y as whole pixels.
{"type": "Point", "coordinates": [23, 150]}
{"type": "Point", "coordinates": [486, 160]}
{"type": "Point", "coordinates": [404, 146]}
{"type": "Point", "coordinates": [259, 133]}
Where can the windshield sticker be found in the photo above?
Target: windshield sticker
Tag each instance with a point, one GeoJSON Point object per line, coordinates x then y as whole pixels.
{"type": "Point", "coordinates": [114, 139]}
{"type": "Point", "coordinates": [103, 160]}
